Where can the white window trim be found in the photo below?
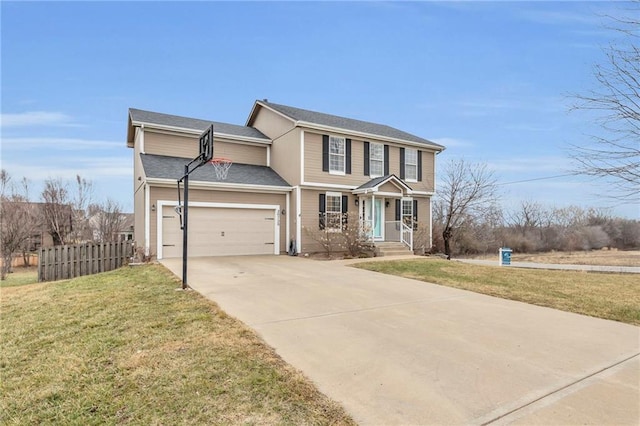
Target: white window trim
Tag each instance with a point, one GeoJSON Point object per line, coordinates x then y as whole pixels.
{"type": "Point", "coordinates": [344, 156]}
{"type": "Point", "coordinates": [371, 160]}
{"type": "Point", "coordinates": [406, 163]}
{"type": "Point", "coordinates": [402, 215]}
{"type": "Point", "coordinates": [326, 211]}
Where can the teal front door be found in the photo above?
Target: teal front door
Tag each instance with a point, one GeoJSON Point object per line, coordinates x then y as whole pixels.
{"type": "Point", "coordinates": [375, 218]}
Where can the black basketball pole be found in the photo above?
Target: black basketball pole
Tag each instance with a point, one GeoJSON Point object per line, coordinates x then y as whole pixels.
{"type": "Point", "coordinates": [206, 154]}
{"type": "Point", "coordinates": [185, 223]}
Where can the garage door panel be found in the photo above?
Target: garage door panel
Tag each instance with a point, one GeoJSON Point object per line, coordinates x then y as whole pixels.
{"type": "Point", "coordinates": [220, 232]}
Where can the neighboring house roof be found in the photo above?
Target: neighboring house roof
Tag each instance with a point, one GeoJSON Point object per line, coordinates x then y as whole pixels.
{"type": "Point", "coordinates": [138, 116]}
{"type": "Point", "coordinates": [162, 167]}
{"type": "Point", "coordinates": [306, 117]}
{"type": "Point", "coordinates": [376, 183]}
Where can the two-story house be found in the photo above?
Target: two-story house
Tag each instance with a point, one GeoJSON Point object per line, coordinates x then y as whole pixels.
{"type": "Point", "coordinates": [293, 169]}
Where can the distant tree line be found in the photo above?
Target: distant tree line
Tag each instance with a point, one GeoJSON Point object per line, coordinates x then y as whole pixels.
{"type": "Point", "coordinates": [532, 227]}
{"type": "Point", "coordinates": [65, 212]}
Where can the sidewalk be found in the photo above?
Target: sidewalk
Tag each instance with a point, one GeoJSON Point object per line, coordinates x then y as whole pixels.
{"type": "Point", "coordinates": [532, 265]}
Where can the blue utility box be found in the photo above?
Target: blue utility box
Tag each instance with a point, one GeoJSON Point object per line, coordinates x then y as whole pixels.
{"type": "Point", "coordinates": [505, 256]}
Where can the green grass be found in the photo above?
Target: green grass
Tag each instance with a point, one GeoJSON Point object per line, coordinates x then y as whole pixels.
{"type": "Point", "coordinates": [20, 276]}
{"type": "Point", "coordinates": [610, 296]}
{"type": "Point", "coordinates": [125, 347]}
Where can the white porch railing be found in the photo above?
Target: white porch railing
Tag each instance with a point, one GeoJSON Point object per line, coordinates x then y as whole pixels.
{"type": "Point", "coordinates": [396, 230]}
{"type": "Point", "coordinates": [407, 236]}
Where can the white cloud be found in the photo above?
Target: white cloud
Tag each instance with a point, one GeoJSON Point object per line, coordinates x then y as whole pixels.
{"type": "Point", "coordinates": [58, 143]}
{"type": "Point", "coordinates": [452, 142]}
{"type": "Point", "coordinates": [34, 118]}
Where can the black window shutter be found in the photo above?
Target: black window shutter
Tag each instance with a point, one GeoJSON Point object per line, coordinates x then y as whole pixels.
{"type": "Point", "coordinates": [366, 158]}
{"type": "Point", "coordinates": [419, 166]}
{"type": "Point", "coordinates": [325, 153]}
{"type": "Point", "coordinates": [386, 160]}
{"type": "Point", "coordinates": [398, 208]}
{"type": "Point", "coordinates": [347, 166]}
{"type": "Point", "coordinates": [401, 163]}
{"type": "Point", "coordinates": [415, 210]}
{"type": "Point", "coordinates": [321, 211]}
{"type": "Point", "coordinates": [345, 208]}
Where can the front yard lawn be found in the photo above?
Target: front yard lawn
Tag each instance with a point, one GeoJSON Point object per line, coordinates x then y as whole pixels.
{"type": "Point", "coordinates": [610, 296]}
{"type": "Point", "coordinates": [125, 347]}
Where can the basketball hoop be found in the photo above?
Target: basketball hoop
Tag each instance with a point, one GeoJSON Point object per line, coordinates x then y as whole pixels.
{"type": "Point", "coordinates": [221, 166]}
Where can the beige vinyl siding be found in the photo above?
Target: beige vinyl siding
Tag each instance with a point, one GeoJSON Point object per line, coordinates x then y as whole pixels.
{"type": "Point", "coordinates": [313, 164]}
{"type": "Point", "coordinates": [285, 157]}
{"type": "Point", "coordinates": [270, 123]}
{"type": "Point", "coordinates": [241, 153]}
{"type": "Point", "coordinates": [138, 214]}
{"type": "Point", "coordinates": [310, 219]}
{"type": "Point", "coordinates": [170, 145]}
{"type": "Point", "coordinates": [394, 161]}
{"type": "Point", "coordinates": [390, 188]}
{"type": "Point", "coordinates": [171, 194]}
{"type": "Point", "coordinates": [188, 147]}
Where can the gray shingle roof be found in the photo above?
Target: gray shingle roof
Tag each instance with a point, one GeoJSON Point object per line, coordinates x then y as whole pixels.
{"type": "Point", "coordinates": [194, 123]}
{"type": "Point", "coordinates": [377, 181]}
{"type": "Point", "coordinates": [348, 124]}
{"type": "Point", "coordinates": [159, 166]}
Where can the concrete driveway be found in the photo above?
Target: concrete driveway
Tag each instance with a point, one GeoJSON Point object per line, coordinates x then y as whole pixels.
{"type": "Point", "coordinates": [398, 351]}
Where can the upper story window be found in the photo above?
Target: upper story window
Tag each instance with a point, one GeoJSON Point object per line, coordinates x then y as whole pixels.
{"type": "Point", "coordinates": [411, 164]}
{"type": "Point", "coordinates": [376, 159]}
{"type": "Point", "coordinates": [337, 155]}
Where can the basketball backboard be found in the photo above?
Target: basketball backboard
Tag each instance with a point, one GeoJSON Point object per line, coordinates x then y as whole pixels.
{"type": "Point", "coordinates": [206, 145]}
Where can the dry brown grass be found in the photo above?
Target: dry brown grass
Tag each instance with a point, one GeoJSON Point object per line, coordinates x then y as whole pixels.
{"type": "Point", "coordinates": [610, 296]}
{"type": "Point", "coordinates": [125, 347]}
{"type": "Point", "coordinates": [595, 257]}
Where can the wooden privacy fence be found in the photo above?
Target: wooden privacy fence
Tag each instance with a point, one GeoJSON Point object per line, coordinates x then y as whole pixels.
{"type": "Point", "coordinates": [64, 262]}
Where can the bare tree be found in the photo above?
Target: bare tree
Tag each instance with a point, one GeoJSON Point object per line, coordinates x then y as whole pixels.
{"type": "Point", "coordinates": [616, 156]}
{"type": "Point", "coordinates": [57, 210]}
{"type": "Point", "coordinates": [81, 201]}
{"type": "Point", "coordinates": [467, 190]}
{"type": "Point", "coordinates": [108, 221]}
{"type": "Point", "coordinates": [16, 219]}
{"type": "Point", "coordinates": [528, 217]}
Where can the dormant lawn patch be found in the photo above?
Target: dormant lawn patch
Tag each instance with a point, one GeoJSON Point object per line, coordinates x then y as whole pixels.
{"type": "Point", "coordinates": [609, 296]}
{"type": "Point", "coordinates": [126, 347]}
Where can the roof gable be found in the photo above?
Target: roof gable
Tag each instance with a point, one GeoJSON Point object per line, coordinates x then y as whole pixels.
{"type": "Point", "coordinates": [374, 184]}
{"type": "Point", "coordinates": [138, 116]}
{"type": "Point", "coordinates": [303, 116]}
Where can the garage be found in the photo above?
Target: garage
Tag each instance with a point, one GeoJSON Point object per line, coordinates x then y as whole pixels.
{"type": "Point", "coordinates": [220, 230]}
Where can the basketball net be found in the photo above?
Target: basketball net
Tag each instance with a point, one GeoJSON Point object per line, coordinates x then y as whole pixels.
{"type": "Point", "coordinates": [221, 167]}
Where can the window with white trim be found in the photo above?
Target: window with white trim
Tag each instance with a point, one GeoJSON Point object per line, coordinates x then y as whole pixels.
{"type": "Point", "coordinates": [333, 212]}
{"type": "Point", "coordinates": [376, 159]}
{"type": "Point", "coordinates": [411, 164]}
{"type": "Point", "coordinates": [407, 211]}
{"type": "Point", "coordinates": [336, 154]}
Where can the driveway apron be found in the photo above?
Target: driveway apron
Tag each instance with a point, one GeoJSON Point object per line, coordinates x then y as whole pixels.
{"type": "Point", "coordinates": [398, 351]}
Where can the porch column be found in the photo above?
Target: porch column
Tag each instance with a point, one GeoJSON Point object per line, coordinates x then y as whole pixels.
{"type": "Point", "coordinates": [373, 217]}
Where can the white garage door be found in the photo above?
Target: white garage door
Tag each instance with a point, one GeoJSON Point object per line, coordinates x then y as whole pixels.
{"type": "Point", "coordinates": [215, 231]}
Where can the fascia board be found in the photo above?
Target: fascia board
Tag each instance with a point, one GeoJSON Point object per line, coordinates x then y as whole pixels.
{"type": "Point", "coordinates": [199, 132]}
{"type": "Point", "coordinates": [222, 186]}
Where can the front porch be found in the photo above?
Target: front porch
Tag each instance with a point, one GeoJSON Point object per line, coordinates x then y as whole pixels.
{"type": "Point", "coordinates": [387, 210]}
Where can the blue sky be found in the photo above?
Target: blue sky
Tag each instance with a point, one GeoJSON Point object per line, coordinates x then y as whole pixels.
{"type": "Point", "coordinates": [489, 80]}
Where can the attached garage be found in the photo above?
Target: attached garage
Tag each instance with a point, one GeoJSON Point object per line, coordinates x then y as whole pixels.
{"type": "Point", "coordinates": [220, 229]}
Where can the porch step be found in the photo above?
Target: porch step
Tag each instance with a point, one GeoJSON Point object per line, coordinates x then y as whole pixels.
{"type": "Point", "coordinates": [392, 249]}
